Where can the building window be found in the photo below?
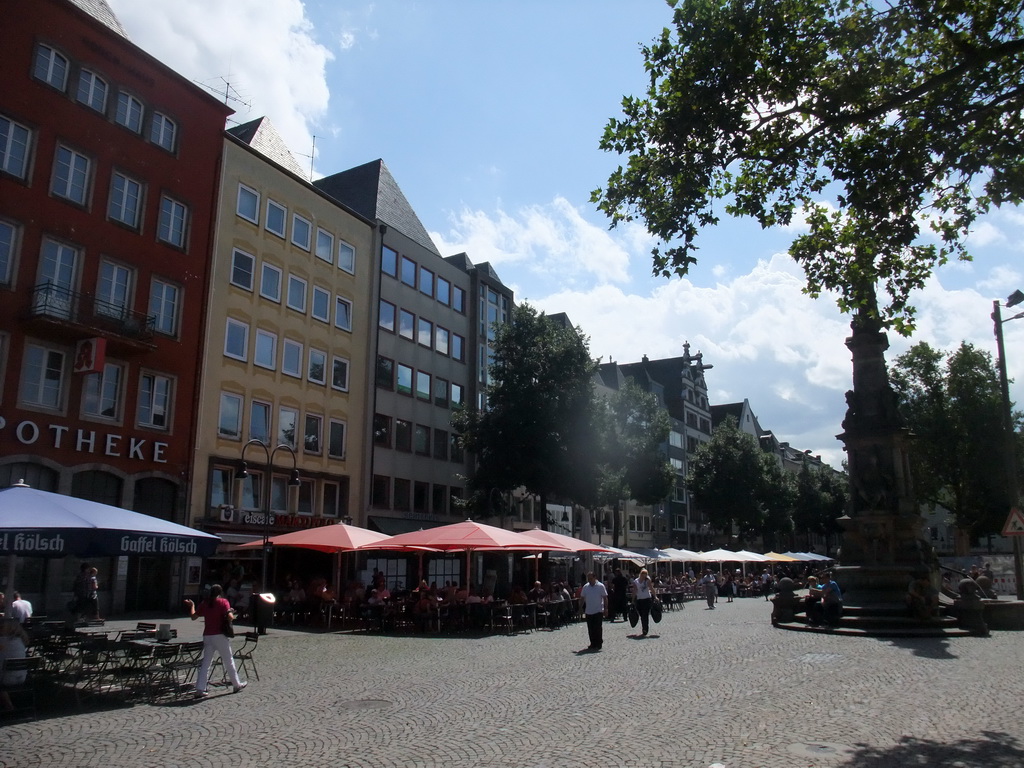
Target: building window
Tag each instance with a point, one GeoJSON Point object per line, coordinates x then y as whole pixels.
{"type": "Point", "coordinates": [317, 372]}
{"type": "Point", "coordinates": [421, 440]}
{"type": "Point", "coordinates": [265, 353]}
{"type": "Point", "coordinates": [406, 324]}
{"type": "Point", "coordinates": [92, 90]}
{"type": "Point", "coordinates": [270, 282]}
{"type": "Point", "coordinates": [287, 423]}
{"type": "Point", "coordinates": [381, 430]}
{"type": "Point", "coordinates": [439, 500]}
{"type": "Point", "coordinates": [380, 493]}
{"type": "Point", "coordinates": [458, 300]}
{"type": "Point", "coordinates": [163, 307]}
{"type": "Point", "coordinates": [402, 495]}
{"type": "Point", "coordinates": [321, 308]}
{"type": "Point", "coordinates": [403, 435]}
{"type": "Point", "coordinates": [441, 392]}
{"type": "Point", "coordinates": [346, 257]}
{"type": "Point", "coordinates": [296, 293]}
{"type": "Point", "coordinates": [458, 348]}
{"type": "Point", "coordinates": [14, 141]}
{"type": "Point", "coordinates": [441, 339]}
{"type": "Point", "coordinates": [277, 216]}
{"type": "Point", "coordinates": [113, 291]}
{"type": "Point", "coordinates": [385, 376]}
{"type": "Point", "coordinates": [248, 206]}
{"type": "Point", "coordinates": [409, 272]}
{"type": "Point", "coordinates": [42, 378]}
{"type": "Point", "coordinates": [154, 401]}
{"type": "Point", "coordinates": [423, 385]}
{"type": "Point", "coordinates": [8, 237]}
{"type": "Point", "coordinates": [71, 175]}
{"type": "Point", "coordinates": [291, 358]}
{"type": "Point", "coordinates": [324, 245]}
{"type": "Point", "coordinates": [312, 433]}
{"type": "Point", "coordinates": [129, 112]}
{"type": "Point", "coordinates": [339, 374]}
{"type": "Point", "coordinates": [388, 261]}
{"type": "Point", "coordinates": [455, 449]}
{"type": "Point", "coordinates": [50, 67]}
{"type": "Point", "coordinates": [441, 444]}
{"type": "Point", "coordinates": [305, 505]}
{"type": "Point", "coordinates": [163, 131]}
{"type": "Point", "coordinates": [242, 266]}
{"type": "Point", "coordinates": [443, 290]}
{"type": "Point", "coordinates": [230, 422]}
{"type": "Point", "coordinates": [386, 316]}
{"type": "Point", "coordinates": [404, 379]}
{"type": "Point", "coordinates": [236, 339]}
{"type": "Point", "coordinates": [425, 333]}
{"type": "Point", "coordinates": [125, 200]}
{"type": "Point", "coordinates": [457, 396]}
{"type": "Point", "coordinates": [420, 496]}
{"type": "Point", "coordinates": [426, 282]}
{"type": "Point", "coordinates": [336, 439]}
{"type": "Point", "coordinates": [173, 222]}
{"type": "Point", "coordinates": [301, 231]}
{"type": "Point", "coordinates": [342, 313]}
{"type": "Point", "coordinates": [259, 421]}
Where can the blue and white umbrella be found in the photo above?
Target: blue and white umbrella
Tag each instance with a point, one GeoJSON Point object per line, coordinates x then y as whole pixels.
{"type": "Point", "coordinates": [36, 523]}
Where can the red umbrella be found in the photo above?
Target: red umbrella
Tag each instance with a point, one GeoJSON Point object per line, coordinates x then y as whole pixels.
{"type": "Point", "coordinates": [327, 538]}
{"type": "Point", "coordinates": [568, 543]}
{"type": "Point", "coordinates": [469, 536]}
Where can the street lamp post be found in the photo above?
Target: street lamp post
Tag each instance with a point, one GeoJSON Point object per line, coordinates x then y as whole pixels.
{"type": "Point", "coordinates": [1010, 448]}
{"type": "Point", "coordinates": [293, 480]}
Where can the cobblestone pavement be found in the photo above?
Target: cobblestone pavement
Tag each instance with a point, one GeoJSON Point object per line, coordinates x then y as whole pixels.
{"type": "Point", "coordinates": [707, 688]}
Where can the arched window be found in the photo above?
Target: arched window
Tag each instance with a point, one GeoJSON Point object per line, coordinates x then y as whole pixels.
{"type": "Point", "coordinates": [36, 475]}
{"type": "Point", "coordinates": [157, 497]}
{"type": "Point", "coordinates": [96, 485]}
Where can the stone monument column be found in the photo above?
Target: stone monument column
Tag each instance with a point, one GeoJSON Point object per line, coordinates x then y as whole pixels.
{"type": "Point", "coordinates": [883, 541]}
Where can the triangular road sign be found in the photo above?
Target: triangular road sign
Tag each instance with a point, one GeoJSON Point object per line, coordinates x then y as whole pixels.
{"type": "Point", "coordinates": [1014, 523]}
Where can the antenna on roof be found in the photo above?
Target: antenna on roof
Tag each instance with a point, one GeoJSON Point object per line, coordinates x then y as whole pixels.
{"type": "Point", "coordinates": [311, 155]}
{"type": "Point", "coordinates": [229, 93]}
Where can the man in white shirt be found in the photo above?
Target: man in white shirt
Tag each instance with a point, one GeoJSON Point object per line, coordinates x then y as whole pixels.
{"type": "Point", "coordinates": [21, 609]}
{"type": "Point", "coordinates": [595, 609]}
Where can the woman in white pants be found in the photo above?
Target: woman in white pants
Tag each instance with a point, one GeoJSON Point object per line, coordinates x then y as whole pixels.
{"type": "Point", "coordinates": [214, 610]}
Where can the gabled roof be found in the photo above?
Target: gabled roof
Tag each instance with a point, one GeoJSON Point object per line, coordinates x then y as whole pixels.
{"type": "Point", "coordinates": [372, 191]}
{"type": "Point", "coordinates": [261, 135]}
{"type": "Point", "coordinates": [102, 12]}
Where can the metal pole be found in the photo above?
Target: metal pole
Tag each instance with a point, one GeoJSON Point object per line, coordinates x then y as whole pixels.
{"type": "Point", "coordinates": [1011, 460]}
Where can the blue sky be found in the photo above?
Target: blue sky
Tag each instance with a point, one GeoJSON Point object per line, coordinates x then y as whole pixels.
{"type": "Point", "coordinates": [489, 115]}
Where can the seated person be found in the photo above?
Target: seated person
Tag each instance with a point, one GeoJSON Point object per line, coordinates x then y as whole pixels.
{"type": "Point", "coordinates": [537, 594]}
{"type": "Point", "coordinates": [812, 603]}
{"type": "Point", "coordinates": [424, 611]}
{"type": "Point", "coordinates": [518, 596]}
{"type": "Point", "coordinates": [21, 609]}
{"type": "Point", "coordinates": [922, 597]}
{"type": "Point", "coordinates": [461, 594]}
{"type": "Point", "coordinates": [831, 599]}
{"type": "Point", "coordinates": [13, 645]}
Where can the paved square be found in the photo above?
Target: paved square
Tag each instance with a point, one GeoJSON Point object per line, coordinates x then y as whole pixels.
{"type": "Point", "coordinates": [707, 688]}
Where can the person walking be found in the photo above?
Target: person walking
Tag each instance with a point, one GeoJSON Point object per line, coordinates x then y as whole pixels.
{"type": "Point", "coordinates": [643, 593]}
{"type": "Point", "coordinates": [594, 596]}
{"type": "Point", "coordinates": [710, 585]}
{"type": "Point", "coordinates": [214, 610]}
{"type": "Point", "coordinates": [620, 595]}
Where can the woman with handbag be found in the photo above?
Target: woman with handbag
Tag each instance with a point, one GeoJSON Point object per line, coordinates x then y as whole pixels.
{"type": "Point", "coordinates": [643, 593]}
{"type": "Point", "coordinates": [217, 633]}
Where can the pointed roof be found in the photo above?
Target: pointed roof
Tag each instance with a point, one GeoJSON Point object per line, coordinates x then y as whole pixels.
{"type": "Point", "coordinates": [102, 12]}
{"type": "Point", "coordinates": [372, 191]}
{"type": "Point", "coordinates": [261, 135]}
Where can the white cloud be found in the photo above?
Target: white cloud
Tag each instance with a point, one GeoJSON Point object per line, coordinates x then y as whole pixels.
{"type": "Point", "coordinates": [551, 241]}
{"type": "Point", "coordinates": [265, 50]}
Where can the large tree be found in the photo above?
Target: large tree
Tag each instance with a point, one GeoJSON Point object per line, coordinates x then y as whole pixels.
{"type": "Point", "coordinates": [953, 405]}
{"type": "Point", "coordinates": [725, 478]}
{"type": "Point", "coordinates": [536, 429]}
{"type": "Point", "coordinates": [633, 465]}
{"type": "Point", "coordinates": [872, 120]}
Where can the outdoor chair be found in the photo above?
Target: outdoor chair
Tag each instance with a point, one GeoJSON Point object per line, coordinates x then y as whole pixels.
{"type": "Point", "coordinates": [501, 616]}
{"type": "Point", "coordinates": [23, 694]}
{"type": "Point", "coordinates": [159, 676]}
{"type": "Point", "coordinates": [244, 656]}
{"type": "Point", "coordinates": [185, 666]}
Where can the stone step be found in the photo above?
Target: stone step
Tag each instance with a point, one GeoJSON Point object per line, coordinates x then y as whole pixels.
{"type": "Point", "coordinates": [905, 630]}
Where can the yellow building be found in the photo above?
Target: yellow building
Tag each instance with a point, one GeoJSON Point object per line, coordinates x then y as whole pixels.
{"type": "Point", "coordinates": [288, 328]}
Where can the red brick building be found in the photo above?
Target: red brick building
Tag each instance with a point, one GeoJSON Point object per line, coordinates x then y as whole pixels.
{"type": "Point", "coordinates": [108, 180]}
